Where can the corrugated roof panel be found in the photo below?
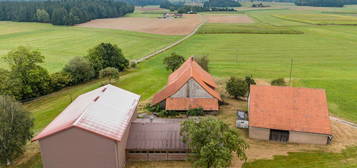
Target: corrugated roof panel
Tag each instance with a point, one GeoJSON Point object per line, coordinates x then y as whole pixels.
{"type": "Point", "coordinates": [106, 111]}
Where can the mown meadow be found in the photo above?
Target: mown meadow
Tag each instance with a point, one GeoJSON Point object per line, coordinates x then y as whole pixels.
{"type": "Point", "coordinates": [61, 43]}
{"type": "Point", "coordinates": [323, 57]}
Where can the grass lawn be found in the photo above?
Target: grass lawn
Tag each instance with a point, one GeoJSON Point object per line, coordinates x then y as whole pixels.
{"type": "Point", "coordinates": [345, 159]}
{"type": "Point", "coordinates": [60, 43]}
{"type": "Point", "coordinates": [226, 28]}
{"type": "Point", "coordinates": [321, 19]}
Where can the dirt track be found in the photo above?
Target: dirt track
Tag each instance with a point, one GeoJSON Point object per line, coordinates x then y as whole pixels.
{"type": "Point", "coordinates": [171, 26]}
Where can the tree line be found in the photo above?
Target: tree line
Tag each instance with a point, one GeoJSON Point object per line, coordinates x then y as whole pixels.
{"type": "Point", "coordinates": [143, 2]}
{"type": "Point", "coordinates": [211, 5]}
{"type": "Point", "coordinates": [66, 12]}
{"type": "Point", "coordinates": [26, 79]}
{"type": "Point", "coordinates": [320, 3]}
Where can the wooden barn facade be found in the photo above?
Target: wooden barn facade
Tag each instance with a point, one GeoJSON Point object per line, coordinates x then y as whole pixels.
{"type": "Point", "coordinates": [189, 87]}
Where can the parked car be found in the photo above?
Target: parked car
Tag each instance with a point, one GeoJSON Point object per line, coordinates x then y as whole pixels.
{"type": "Point", "coordinates": [242, 119]}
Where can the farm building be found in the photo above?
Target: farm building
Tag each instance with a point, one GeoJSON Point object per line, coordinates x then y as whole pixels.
{"type": "Point", "coordinates": [159, 139]}
{"type": "Point", "coordinates": [287, 114]}
{"type": "Point", "coordinates": [189, 87]}
{"type": "Point", "coordinates": [91, 132]}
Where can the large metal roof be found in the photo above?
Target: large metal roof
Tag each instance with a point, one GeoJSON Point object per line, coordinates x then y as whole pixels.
{"type": "Point", "coordinates": [106, 111]}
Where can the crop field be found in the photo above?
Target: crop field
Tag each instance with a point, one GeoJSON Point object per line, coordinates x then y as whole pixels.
{"type": "Point", "coordinates": [321, 19]}
{"type": "Point", "coordinates": [60, 43]}
{"type": "Point", "coordinates": [219, 28]}
{"type": "Point", "coordinates": [323, 57]}
{"type": "Point", "coordinates": [168, 26]}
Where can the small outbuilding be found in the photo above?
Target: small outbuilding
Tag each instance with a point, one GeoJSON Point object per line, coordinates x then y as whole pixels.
{"type": "Point", "coordinates": [157, 139]}
{"type": "Point", "coordinates": [91, 132]}
{"type": "Point", "coordinates": [288, 114]}
{"type": "Point", "coordinates": [190, 86]}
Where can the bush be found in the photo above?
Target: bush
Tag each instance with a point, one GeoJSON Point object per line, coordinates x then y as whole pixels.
{"type": "Point", "coordinates": [203, 62]}
{"type": "Point", "coordinates": [60, 80]}
{"type": "Point", "coordinates": [133, 64]}
{"type": "Point", "coordinates": [154, 108]}
{"type": "Point", "coordinates": [250, 81]}
{"type": "Point", "coordinates": [110, 73]}
{"type": "Point", "coordinates": [173, 61]}
{"type": "Point", "coordinates": [107, 55]}
{"type": "Point", "coordinates": [236, 87]}
{"type": "Point", "coordinates": [80, 70]}
{"type": "Point", "coordinates": [195, 112]}
{"type": "Point", "coordinates": [278, 82]}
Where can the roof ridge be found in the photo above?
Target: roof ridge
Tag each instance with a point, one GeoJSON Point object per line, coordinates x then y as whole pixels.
{"type": "Point", "coordinates": [91, 103]}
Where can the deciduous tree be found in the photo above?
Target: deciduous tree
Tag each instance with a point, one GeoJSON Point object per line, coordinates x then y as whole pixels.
{"type": "Point", "coordinates": [30, 79]}
{"type": "Point", "coordinates": [203, 61]}
{"type": "Point", "coordinates": [236, 87]}
{"type": "Point", "coordinates": [107, 55]}
{"type": "Point", "coordinates": [173, 61]}
{"type": "Point", "coordinates": [15, 129]}
{"type": "Point", "coordinates": [212, 142]}
{"type": "Point", "coordinates": [80, 70]}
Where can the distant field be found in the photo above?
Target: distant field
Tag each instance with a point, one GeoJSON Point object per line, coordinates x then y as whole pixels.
{"type": "Point", "coordinates": [61, 43]}
{"type": "Point", "coordinates": [168, 26]}
{"type": "Point", "coordinates": [320, 19]}
{"type": "Point", "coordinates": [223, 28]}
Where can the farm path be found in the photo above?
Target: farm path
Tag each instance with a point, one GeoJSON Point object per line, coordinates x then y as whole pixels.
{"type": "Point", "coordinates": [344, 122]}
{"type": "Point", "coordinates": [203, 21]}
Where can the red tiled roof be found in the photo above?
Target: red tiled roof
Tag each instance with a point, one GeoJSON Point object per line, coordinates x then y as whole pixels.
{"type": "Point", "coordinates": [106, 111]}
{"type": "Point", "coordinates": [188, 70]}
{"type": "Point", "coordinates": [189, 103]}
{"type": "Point", "coordinates": [288, 108]}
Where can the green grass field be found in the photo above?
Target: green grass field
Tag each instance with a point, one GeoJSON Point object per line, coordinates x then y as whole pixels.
{"type": "Point", "coordinates": [60, 43]}
{"type": "Point", "coordinates": [321, 19]}
{"type": "Point", "coordinates": [224, 28]}
{"type": "Point", "coordinates": [324, 57]}
{"type": "Point", "coordinates": [345, 159]}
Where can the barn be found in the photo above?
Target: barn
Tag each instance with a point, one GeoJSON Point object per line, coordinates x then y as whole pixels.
{"type": "Point", "coordinates": [189, 87]}
{"type": "Point", "coordinates": [288, 114]}
{"type": "Point", "coordinates": [91, 132]}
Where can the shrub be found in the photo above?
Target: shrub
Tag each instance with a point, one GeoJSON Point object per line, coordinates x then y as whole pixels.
{"type": "Point", "coordinates": [15, 129]}
{"type": "Point", "coordinates": [278, 82]}
{"type": "Point", "coordinates": [107, 55]}
{"type": "Point", "coordinates": [154, 108]}
{"type": "Point", "coordinates": [60, 80]}
{"type": "Point", "coordinates": [110, 73]}
{"type": "Point", "coordinates": [236, 87]}
{"type": "Point", "coordinates": [203, 62]}
{"type": "Point", "coordinates": [173, 61]}
{"type": "Point", "coordinates": [195, 112]}
{"type": "Point", "coordinates": [80, 70]}
{"type": "Point", "coordinates": [250, 81]}
{"type": "Point", "coordinates": [133, 64]}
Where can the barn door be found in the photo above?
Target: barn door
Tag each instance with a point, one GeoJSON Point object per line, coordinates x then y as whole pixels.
{"type": "Point", "coordinates": [279, 135]}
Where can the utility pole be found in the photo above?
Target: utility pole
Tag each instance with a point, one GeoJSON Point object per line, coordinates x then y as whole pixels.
{"type": "Point", "coordinates": [291, 69]}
